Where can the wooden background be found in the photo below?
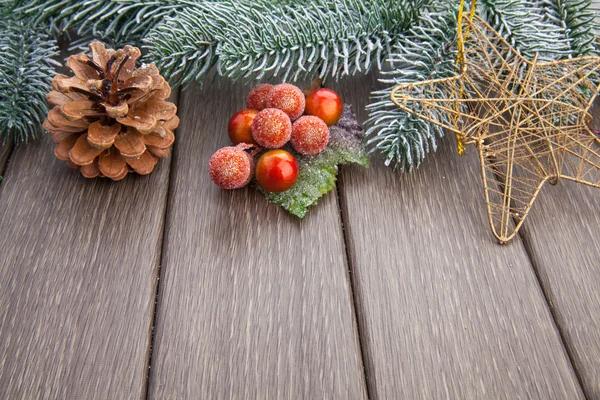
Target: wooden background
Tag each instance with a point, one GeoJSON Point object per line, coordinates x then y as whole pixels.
{"type": "Point", "coordinates": [166, 287]}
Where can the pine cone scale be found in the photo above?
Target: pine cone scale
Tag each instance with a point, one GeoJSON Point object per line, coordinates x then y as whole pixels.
{"type": "Point", "coordinates": [116, 111]}
{"type": "Point", "coordinates": [91, 170]}
{"type": "Point", "coordinates": [112, 164]}
{"type": "Point", "coordinates": [144, 164]}
{"type": "Point", "coordinates": [157, 152]}
{"type": "Point", "coordinates": [140, 121]}
{"type": "Point", "coordinates": [73, 84]}
{"type": "Point", "coordinates": [171, 124]}
{"type": "Point", "coordinates": [82, 152]}
{"type": "Point", "coordinates": [111, 118]}
{"type": "Point", "coordinates": [58, 98]}
{"type": "Point", "coordinates": [103, 136]}
{"type": "Point", "coordinates": [84, 68]}
{"type": "Point", "coordinates": [161, 142]}
{"type": "Point", "coordinates": [144, 83]}
{"type": "Point", "coordinates": [62, 150]}
{"type": "Point", "coordinates": [79, 109]}
{"type": "Point", "coordinates": [59, 136]}
{"type": "Point", "coordinates": [58, 119]}
{"type": "Point", "coordinates": [100, 55]}
{"type": "Point", "coordinates": [124, 62]}
{"type": "Point", "coordinates": [130, 144]}
{"type": "Point", "coordinates": [161, 110]}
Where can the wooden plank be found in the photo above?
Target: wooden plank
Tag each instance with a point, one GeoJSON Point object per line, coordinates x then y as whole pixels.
{"type": "Point", "coordinates": [443, 311]}
{"type": "Point", "coordinates": [562, 234]}
{"type": "Point", "coordinates": [253, 303]}
{"type": "Point", "coordinates": [78, 277]}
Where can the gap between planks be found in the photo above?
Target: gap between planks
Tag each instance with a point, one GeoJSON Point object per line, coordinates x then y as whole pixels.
{"type": "Point", "coordinates": [175, 99]}
{"type": "Point", "coordinates": [545, 289]}
{"type": "Point", "coordinates": [547, 293]}
{"type": "Point", "coordinates": [352, 293]}
{"type": "Point", "coordinates": [561, 238]}
{"type": "Point", "coordinates": [259, 305]}
{"type": "Point", "coordinates": [551, 345]}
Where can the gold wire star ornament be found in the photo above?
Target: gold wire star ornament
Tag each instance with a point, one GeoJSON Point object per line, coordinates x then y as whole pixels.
{"type": "Point", "coordinates": [528, 119]}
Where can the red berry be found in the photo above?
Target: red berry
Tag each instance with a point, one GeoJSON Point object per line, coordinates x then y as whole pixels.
{"type": "Point", "coordinates": [271, 128]}
{"type": "Point", "coordinates": [276, 171]}
{"type": "Point", "coordinates": [257, 98]}
{"type": "Point", "coordinates": [288, 98]}
{"type": "Point", "coordinates": [231, 167]}
{"type": "Point", "coordinates": [310, 135]}
{"type": "Point", "coordinates": [240, 126]}
{"type": "Point", "coordinates": [325, 104]}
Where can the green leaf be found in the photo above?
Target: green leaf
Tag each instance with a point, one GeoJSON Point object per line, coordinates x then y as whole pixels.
{"type": "Point", "coordinates": [317, 174]}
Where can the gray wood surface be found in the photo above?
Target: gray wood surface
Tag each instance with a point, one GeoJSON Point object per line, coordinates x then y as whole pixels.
{"type": "Point", "coordinates": [78, 277]}
{"type": "Point", "coordinates": [253, 303]}
{"type": "Point", "coordinates": [562, 234]}
{"type": "Point", "coordinates": [444, 311]}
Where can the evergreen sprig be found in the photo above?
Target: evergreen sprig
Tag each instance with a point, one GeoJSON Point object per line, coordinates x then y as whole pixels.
{"type": "Point", "coordinates": [185, 46]}
{"type": "Point", "coordinates": [574, 17]}
{"type": "Point", "coordinates": [553, 29]}
{"type": "Point", "coordinates": [117, 21]}
{"type": "Point", "coordinates": [289, 39]}
{"type": "Point", "coordinates": [249, 39]}
{"type": "Point", "coordinates": [244, 38]}
{"type": "Point", "coordinates": [325, 38]}
{"type": "Point", "coordinates": [524, 25]}
{"type": "Point", "coordinates": [425, 52]}
{"type": "Point", "coordinates": [298, 40]}
{"type": "Point", "coordinates": [26, 71]}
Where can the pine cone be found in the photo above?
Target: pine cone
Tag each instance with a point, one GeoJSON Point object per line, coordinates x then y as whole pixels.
{"type": "Point", "coordinates": [111, 118]}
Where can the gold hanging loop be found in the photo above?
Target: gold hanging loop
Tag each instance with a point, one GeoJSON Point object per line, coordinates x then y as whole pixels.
{"type": "Point", "coordinates": [460, 62]}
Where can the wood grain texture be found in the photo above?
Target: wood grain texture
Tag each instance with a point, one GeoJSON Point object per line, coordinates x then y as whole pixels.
{"type": "Point", "coordinates": [562, 234]}
{"type": "Point", "coordinates": [77, 278]}
{"type": "Point", "coordinates": [444, 311]}
{"type": "Point", "coordinates": [253, 303]}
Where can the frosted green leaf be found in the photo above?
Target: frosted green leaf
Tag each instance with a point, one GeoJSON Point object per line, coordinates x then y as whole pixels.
{"type": "Point", "coordinates": [317, 174]}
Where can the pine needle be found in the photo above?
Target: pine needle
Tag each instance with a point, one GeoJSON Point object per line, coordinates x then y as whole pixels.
{"type": "Point", "coordinates": [26, 71]}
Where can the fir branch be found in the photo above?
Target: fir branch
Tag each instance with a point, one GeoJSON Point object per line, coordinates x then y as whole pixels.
{"type": "Point", "coordinates": [426, 52]}
{"type": "Point", "coordinates": [323, 39]}
{"type": "Point", "coordinates": [186, 37]}
{"type": "Point", "coordinates": [185, 46]}
{"type": "Point", "coordinates": [259, 39]}
{"type": "Point", "coordinates": [576, 20]}
{"type": "Point", "coordinates": [26, 71]}
{"type": "Point", "coordinates": [531, 27]}
{"type": "Point", "coordinates": [115, 20]}
{"type": "Point", "coordinates": [523, 24]}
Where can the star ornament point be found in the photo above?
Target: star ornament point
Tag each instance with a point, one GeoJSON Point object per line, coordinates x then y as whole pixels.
{"type": "Point", "coordinates": [528, 119]}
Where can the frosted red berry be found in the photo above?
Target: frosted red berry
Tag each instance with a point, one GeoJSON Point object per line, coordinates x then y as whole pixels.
{"type": "Point", "coordinates": [240, 126]}
{"type": "Point", "coordinates": [257, 98]}
{"type": "Point", "coordinates": [231, 167]}
{"type": "Point", "coordinates": [325, 104]}
{"type": "Point", "coordinates": [276, 171]}
{"type": "Point", "coordinates": [310, 135]}
{"type": "Point", "coordinates": [288, 98]}
{"type": "Point", "coordinates": [271, 128]}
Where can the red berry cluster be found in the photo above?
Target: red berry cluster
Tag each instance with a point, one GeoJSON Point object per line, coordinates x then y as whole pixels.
{"type": "Point", "coordinates": [274, 117]}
